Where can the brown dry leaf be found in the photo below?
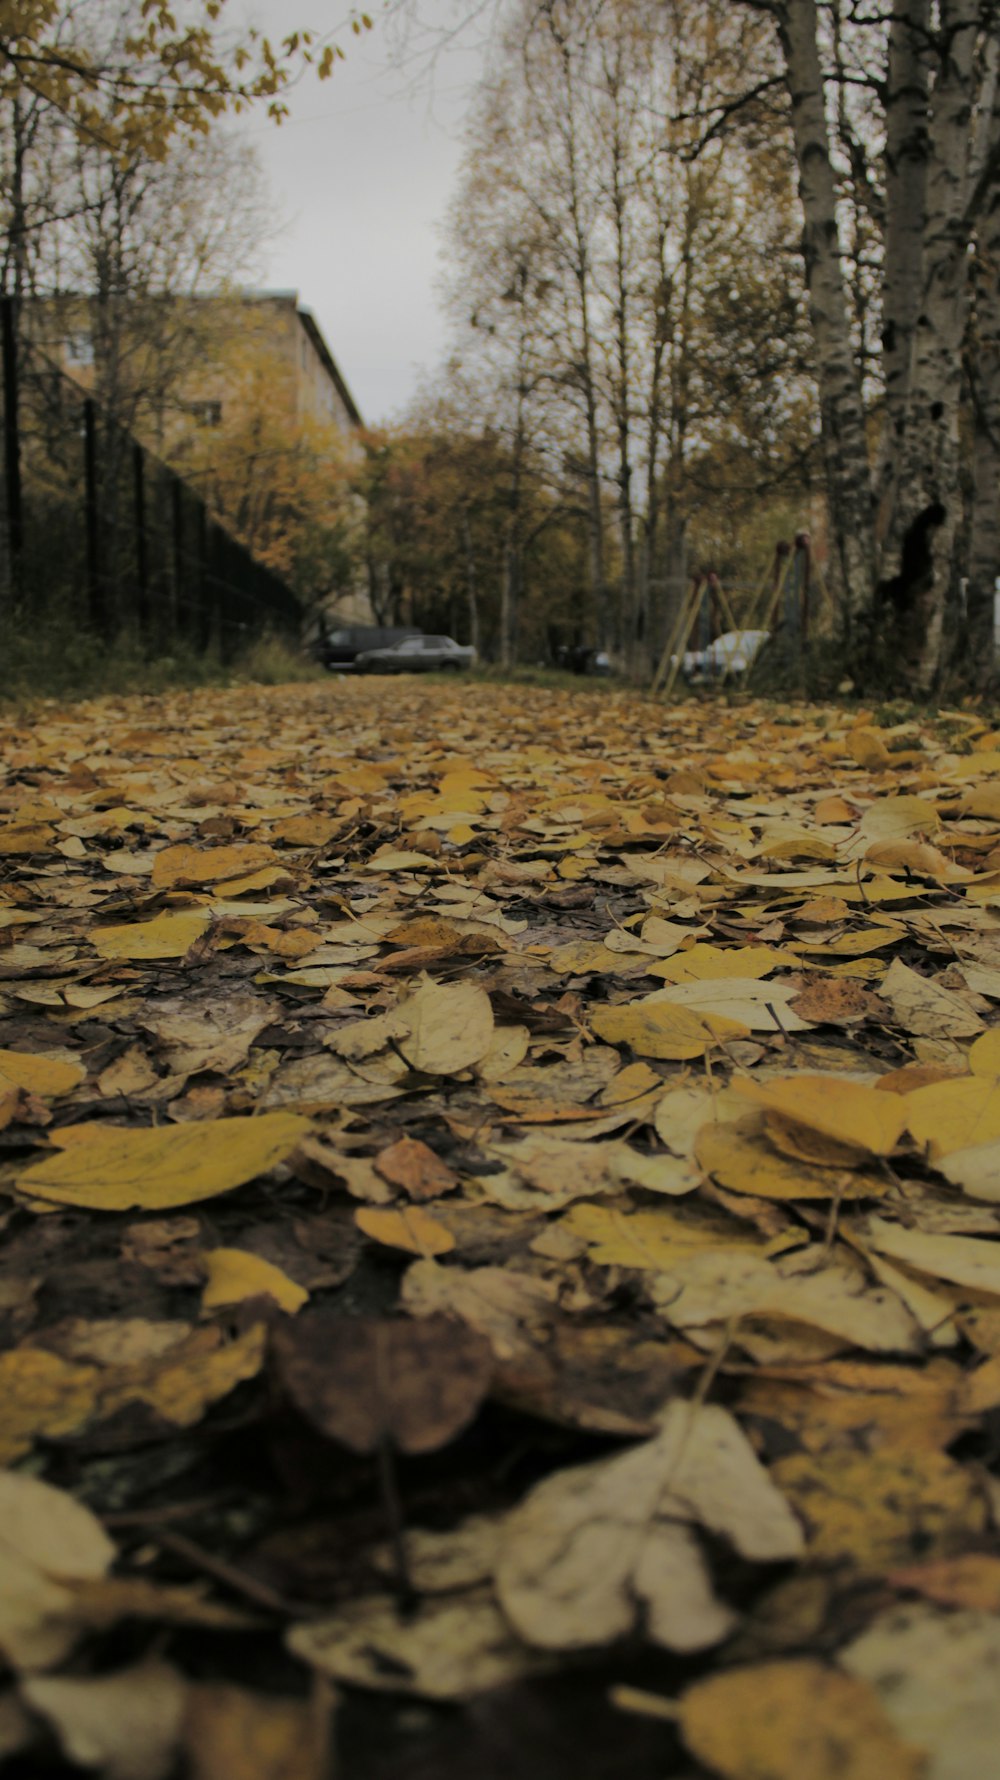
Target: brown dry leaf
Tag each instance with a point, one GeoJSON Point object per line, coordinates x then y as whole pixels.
{"type": "Point", "coordinates": [970, 1581]}
{"type": "Point", "coordinates": [837, 1001]}
{"type": "Point", "coordinates": [413, 1165]}
{"type": "Point", "coordinates": [921, 1006]}
{"type": "Point", "coordinates": [512, 1310]}
{"type": "Point", "coordinates": [795, 1720]}
{"type": "Point", "coordinates": [198, 1031]}
{"type": "Point", "coordinates": [229, 1733]}
{"type": "Point", "coordinates": [111, 1169]}
{"type": "Point", "coordinates": [408, 1228]}
{"type": "Point", "coordinates": [363, 1381]}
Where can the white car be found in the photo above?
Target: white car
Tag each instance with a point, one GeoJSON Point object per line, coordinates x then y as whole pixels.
{"type": "Point", "coordinates": [732, 653]}
{"type": "Point", "coordinates": [414, 655]}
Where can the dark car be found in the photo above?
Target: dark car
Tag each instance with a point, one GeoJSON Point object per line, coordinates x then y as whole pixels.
{"type": "Point", "coordinates": [414, 655]}
{"type": "Point", "coordinates": [339, 649]}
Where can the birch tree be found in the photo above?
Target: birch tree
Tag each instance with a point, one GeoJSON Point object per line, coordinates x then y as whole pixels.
{"type": "Point", "coordinates": [897, 515]}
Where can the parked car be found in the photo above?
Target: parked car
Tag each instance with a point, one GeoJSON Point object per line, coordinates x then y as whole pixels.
{"type": "Point", "coordinates": [732, 653]}
{"type": "Point", "coordinates": [339, 649]}
{"type": "Point", "coordinates": [413, 655]}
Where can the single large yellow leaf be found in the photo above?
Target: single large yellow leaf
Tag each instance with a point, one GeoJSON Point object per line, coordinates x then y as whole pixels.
{"type": "Point", "coordinates": [658, 1029]}
{"type": "Point", "coordinates": [185, 865]}
{"type": "Point", "coordinates": [850, 1112]}
{"type": "Point", "coordinates": [39, 1074]}
{"type": "Point", "coordinates": [746, 1163]}
{"type": "Point", "coordinates": [795, 1720]}
{"type": "Point", "coordinates": [954, 1115]}
{"type": "Point", "coordinates": [984, 1055]}
{"type": "Point", "coordinates": [448, 1027]}
{"type": "Point", "coordinates": [408, 1228]}
{"type": "Point", "coordinates": [116, 1170]}
{"type": "Point", "coordinates": [704, 961]}
{"type": "Point", "coordinates": [169, 935]}
{"type": "Point", "coordinates": [655, 1240]}
{"type": "Point", "coordinates": [234, 1274]}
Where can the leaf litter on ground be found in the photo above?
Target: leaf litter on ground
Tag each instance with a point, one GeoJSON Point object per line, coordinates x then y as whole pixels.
{"type": "Point", "coordinates": [501, 1206]}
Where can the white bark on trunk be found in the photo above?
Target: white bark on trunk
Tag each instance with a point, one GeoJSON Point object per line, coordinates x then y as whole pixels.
{"type": "Point", "coordinates": [845, 450]}
{"type": "Point", "coordinates": [928, 512]}
{"type": "Point", "coordinates": [907, 147]}
{"type": "Point", "coordinates": [984, 530]}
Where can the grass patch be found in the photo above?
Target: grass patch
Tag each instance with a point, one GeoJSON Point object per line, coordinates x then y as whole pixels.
{"type": "Point", "coordinates": [66, 663]}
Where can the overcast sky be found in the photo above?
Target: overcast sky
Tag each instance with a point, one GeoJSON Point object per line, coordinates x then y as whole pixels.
{"type": "Point", "coordinates": [360, 178]}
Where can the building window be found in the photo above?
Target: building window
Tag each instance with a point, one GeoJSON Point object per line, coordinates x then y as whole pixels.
{"type": "Point", "coordinates": [206, 413]}
{"type": "Point", "coordinates": [79, 349]}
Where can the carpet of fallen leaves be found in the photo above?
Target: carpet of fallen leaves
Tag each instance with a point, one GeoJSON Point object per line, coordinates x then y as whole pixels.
{"type": "Point", "coordinates": [501, 1199]}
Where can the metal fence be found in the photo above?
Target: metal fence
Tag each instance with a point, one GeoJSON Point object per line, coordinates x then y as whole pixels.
{"type": "Point", "coordinates": [97, 532]}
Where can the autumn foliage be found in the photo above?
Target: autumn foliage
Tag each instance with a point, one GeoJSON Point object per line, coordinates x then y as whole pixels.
{"type": "Point", "coordinates": [501, 1210]}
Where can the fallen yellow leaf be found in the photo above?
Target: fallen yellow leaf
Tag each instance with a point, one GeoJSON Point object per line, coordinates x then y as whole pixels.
{"type": "Point", "coordinates": [849, 1112]}
{"type": "Point", "coordinates": [115, 1170]}
{"type": "Point", "coordinates": [39, 1074]}
{"type": "Point", "coordinates": [234, 1274]}
{"type": "Point", "coordinates": [658, 1029]}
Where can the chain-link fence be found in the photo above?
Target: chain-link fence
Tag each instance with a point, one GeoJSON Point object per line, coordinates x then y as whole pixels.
{"type": "Point", "coordinates": [97, 532]}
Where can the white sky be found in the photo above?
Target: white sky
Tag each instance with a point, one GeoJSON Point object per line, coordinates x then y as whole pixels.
{"type": "Point", "coordinates": [360, 177]}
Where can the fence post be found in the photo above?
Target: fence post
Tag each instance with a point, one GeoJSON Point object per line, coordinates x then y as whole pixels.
{"type": "Point", "coordinates": [141, 562]}
{"type": "Point", "coordinates": [177, 535]}
{"type": "Point", "coordinates": [12, 447]}
{"type": "Point", "coordinates": [95, 591]}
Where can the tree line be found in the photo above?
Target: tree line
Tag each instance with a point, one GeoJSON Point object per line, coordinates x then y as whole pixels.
{"type": "Point", "coordinates": [717, 270]}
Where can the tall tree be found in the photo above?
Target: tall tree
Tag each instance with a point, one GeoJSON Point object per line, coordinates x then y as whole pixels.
{"type": "Point", "coordinates": [932, 156]}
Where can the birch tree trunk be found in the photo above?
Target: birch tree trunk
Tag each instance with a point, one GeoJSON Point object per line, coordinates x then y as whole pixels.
{"type": "Point", "coordinates": [928, 513]}
{"type": "Point", "coordinates": [984, 373]}
{"type": "Point", "coordinates": [907, 146]}
{"type": "Point", "coordinates": [844, 441]}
